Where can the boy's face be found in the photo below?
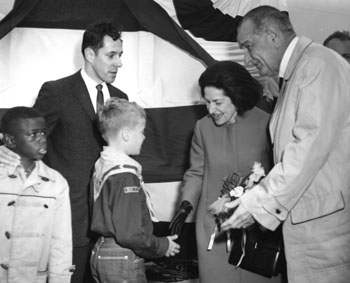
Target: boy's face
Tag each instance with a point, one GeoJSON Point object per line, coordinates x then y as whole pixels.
{"type": "Point", "coordinates": [137, 137]}
{"type": "Point", "coordinates": [29, 138]}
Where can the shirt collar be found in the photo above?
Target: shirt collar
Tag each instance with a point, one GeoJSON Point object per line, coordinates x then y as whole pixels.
{"type": "Point", "coordinates": [90, 83]}
{"type": "Point", "coordinates": [287, 55]}
{"type": "Point", "coordinates": [91, 87]}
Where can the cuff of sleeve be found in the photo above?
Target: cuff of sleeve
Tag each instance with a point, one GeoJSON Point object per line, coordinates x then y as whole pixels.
{"type": "Point", "coordinates": [264, 207]}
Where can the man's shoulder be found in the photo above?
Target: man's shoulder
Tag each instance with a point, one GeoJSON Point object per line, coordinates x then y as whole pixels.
{"type": "Point", "coordinates": [116, 92]}
{"type": "Point", "coordinates": [76, 77]}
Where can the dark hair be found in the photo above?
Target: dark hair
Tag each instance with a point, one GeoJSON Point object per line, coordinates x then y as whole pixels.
{"type": "Point", "coordinates": [263, 16]}
{"type": "Point", "coordinates": [341, 35]}
{"type": "Point", "coordinates": [93, 36]}
{"type": "Point", "coordinates": [236, 82]}
{"type": "Point", "coordinates": [14, 114]}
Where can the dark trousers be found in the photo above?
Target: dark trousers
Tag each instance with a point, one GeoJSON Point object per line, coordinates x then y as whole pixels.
{"type": "Point", "coordinates": [81, 260]}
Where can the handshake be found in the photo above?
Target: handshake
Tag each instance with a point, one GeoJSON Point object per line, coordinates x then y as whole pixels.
{"type": "Point", "coordinates": [176, 226]}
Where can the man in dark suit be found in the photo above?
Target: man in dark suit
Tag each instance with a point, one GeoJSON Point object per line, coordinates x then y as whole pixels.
{"type": "Point", "coordinates": [69, 106]}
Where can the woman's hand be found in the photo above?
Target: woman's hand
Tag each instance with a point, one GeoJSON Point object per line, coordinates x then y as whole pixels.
{"type": "Point", "coordinates": [180, 217]}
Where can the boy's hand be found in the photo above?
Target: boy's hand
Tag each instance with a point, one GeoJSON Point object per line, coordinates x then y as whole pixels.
{"type": "Point", "coordinates": [8, 157]}
{"type": "Point", "coordinates": [173, 248]}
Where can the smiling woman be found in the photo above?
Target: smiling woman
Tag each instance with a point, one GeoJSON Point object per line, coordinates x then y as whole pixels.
{"type": "Point", "coordinates": [230, 139]}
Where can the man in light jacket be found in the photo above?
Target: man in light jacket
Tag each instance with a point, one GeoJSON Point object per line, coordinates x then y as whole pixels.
{"type": "Point", "coordinates": [308, 189]}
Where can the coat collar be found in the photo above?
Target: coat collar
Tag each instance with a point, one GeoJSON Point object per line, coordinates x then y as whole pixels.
{"type": "Point", "coordinates": [40, 174]}
{"type": "Point", "coordinates": [302, 44]}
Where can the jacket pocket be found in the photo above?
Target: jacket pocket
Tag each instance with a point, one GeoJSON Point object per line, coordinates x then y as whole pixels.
{"type": "Point", "coordinates": [320, 206]}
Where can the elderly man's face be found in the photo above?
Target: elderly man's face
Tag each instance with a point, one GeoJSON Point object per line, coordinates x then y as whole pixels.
{"type": "Point", "coordinates": [341, 47]}
{"type": "Point", "coordinates": [259, 49]}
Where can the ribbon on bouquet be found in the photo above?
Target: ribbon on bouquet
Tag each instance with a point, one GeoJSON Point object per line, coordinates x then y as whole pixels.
{"type": "Point", "coordinates": [243, 243]}
{"type": "Point", "coordinates": [212, 239]}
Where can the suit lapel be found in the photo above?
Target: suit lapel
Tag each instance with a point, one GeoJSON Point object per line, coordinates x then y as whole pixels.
{"type": "Point", "coordinates": [81, 93]}
{"type": "Point", "coordinates": [112, 91]}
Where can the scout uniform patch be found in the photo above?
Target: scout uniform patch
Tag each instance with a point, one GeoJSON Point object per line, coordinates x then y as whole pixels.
{"type": "Point", "coordinates": [131, 189]}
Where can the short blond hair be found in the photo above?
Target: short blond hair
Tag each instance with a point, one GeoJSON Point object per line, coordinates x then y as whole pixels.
{"type": "Point", "coordinates": [117, 114]}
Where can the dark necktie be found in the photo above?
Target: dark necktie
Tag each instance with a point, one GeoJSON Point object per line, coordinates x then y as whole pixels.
{"type": "Point", "coordinates": [99, 100]}
{"type": "Point", "coordinates": [280, 83]}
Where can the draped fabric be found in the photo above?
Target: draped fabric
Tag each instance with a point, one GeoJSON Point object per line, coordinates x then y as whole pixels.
{"type": "Point", "coordinates": [130, 15]}
{"type": "Point", "coordinates": [165, 52]}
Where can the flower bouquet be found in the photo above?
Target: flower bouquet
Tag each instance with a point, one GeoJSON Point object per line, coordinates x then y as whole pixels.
{"type": "Point", "coordinates": [255, 248]}
{"type": "Point", "coordinates": [234, 186]}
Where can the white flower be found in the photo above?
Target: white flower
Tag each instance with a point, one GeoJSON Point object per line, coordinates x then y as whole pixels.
{"type": "Point", "coordinates": [237, 192]}
{"type": "Point", "coordinates": [257, 173]}
{"type": "Point", "coordinates": [258, 169]}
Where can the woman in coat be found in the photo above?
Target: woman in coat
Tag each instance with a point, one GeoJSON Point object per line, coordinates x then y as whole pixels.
{"type": "Point", "coordinates": [230, 139]}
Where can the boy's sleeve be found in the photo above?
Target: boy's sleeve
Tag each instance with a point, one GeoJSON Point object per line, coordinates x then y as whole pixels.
{"type": "Point", "coordinates": [60, 261]}
{"type": "Point", "coordinates": [131, 220]}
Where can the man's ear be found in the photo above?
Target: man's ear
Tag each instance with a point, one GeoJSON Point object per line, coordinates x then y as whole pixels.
{"type": "Point", "coordinates": [89, 54]}
{"type": "Point", "coordinates": [274, 34]}
{"type": "Point", "coordinates": [9, 141]}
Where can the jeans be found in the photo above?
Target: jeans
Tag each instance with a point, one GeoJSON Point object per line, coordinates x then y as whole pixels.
{"type": "Point", "coordinates": [111, 263]}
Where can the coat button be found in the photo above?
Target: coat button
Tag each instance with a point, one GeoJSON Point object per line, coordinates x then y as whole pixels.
{"type": "Point", "coordinates": [12, 176]}
{"type": "Point", "coordinates": [11, 203]}
{"type": "Point", "coordinates": [7, 234]}
{"type": "Point", "coordinates": [278, 211]}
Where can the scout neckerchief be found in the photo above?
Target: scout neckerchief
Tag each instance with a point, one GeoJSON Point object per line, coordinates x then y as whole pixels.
{"type": "Point", "coordinates": [112, 162]}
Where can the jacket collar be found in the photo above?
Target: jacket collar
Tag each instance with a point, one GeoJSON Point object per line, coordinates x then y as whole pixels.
{"type": "Point", "coordinates": [299, 49]}
{"type": "Point", "coordinates": [40, 174]}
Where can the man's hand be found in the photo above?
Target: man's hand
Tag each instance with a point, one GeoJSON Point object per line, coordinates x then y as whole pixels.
{"type": "Point", "coordinates": [180, 217]}
{"type": "Point", "coordinates": [8, 157]}
{"type": "Point", "coordinates": [241, 218]}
